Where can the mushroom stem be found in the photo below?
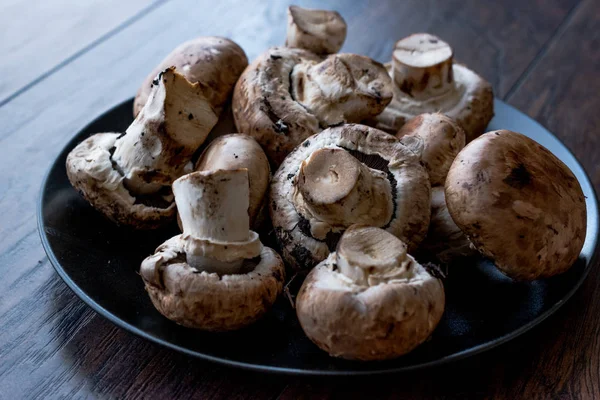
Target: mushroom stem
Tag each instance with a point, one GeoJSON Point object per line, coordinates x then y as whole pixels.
{"type": "Point", "coordinates": [369, 255]}
{"type": "Point", "coordinates": [213, 206]}
{"type": "Point", "coordinates": [340, 190]}
{"type": "Point", "coordinates": [157, 146]}
{"type": "Point", "coordinates": [320, 31]}
{"type": "Point", "coordinates": [422, 66]}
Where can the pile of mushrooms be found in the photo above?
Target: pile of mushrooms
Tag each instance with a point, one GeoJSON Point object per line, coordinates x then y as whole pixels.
{"type": "Point", "coordinates": [375, 170]}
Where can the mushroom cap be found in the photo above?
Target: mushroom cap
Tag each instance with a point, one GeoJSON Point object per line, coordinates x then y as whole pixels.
{"type": "Point", "coordinates": [445, 241]}
{"type": "Point", "coordinates": [518, 204]}
{"type": "Point", "coordinates": [238, 151]}
{"type": "Point", "coordinates": [370, 322]}
{"type": "Point", "coordinates": [319, 31]}
{"type": "Point", "coordinates": [214, 62]}
{"type": "Point", "coordinates": [287, 95]}
{"type": "Point", "coordinates": [437, 138]}
{"type": "Point", "coordinates": [408, 181]}
{"type": "Point", "coordinates": [102, 186]}
{"type": "Point", "coordinates": [206, 300]}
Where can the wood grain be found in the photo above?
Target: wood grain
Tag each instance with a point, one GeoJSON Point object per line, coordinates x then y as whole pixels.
{"type": "Point", "coordinates": [37, 35]}
{"type": "Point", "coordinates": [52, 345]}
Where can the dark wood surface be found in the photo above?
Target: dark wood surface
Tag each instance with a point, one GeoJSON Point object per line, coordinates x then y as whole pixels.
{"type": "Point", "coordinates": [542, 56]}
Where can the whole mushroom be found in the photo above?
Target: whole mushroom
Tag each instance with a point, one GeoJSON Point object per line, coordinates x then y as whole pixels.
{"type": "Point", "coordinates": [437, 139]}
{"type": "Point", "coordinates": [128, 176]}
{"type": "Point", "coordinates": [342, 176]}
{"type": "Point", "coordinates": [319, 31]}
{"type": "Point", "coordinates": [518, 204]}
{"type": "Point", "coordinates": [445, 241]}
{"type": "Point", "coordinates": [217, 275]}
{"type": "Point", "coordinates": [369, 300]}
{"type": "Point", "coordinates": [287, 95]}
{"type": "Point", "coordinates": [214, 62]}
{"type": "Point", "coordinates": [238, 151]}
{"type": "Point", "coordinates": [427, 80]}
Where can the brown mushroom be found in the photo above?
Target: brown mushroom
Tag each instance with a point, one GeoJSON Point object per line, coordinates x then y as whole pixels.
{"type": "Point", "coordinates": [287, 95]}
{"type": "Point", "coordinates": [437, 139]}
{"type": "Point", "coordinates": [214, 62]}
{"type": "Point", "coordinates": [427, 80]}
{"type": "Point", "coordinates": [445, 241]}
{"type": "Point", "coordinates": [342, 176]}
{"type": "Point", "coordinates": [518, 204]}
{"type": "Point", "coordinates": [369, 300]}
{"type": "Point", "coordinates": [128, 176]}
{"type": "Point", "coordinates": [217, 275]}
{"type": "Point", "coordinates": [319, 31]}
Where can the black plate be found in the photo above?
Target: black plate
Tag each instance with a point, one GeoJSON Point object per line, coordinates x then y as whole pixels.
{"type": "Point", "coordinates": [99, 263]}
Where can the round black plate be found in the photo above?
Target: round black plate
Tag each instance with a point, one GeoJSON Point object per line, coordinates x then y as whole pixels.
{"type": "Point", "coordinates": [100, 262]}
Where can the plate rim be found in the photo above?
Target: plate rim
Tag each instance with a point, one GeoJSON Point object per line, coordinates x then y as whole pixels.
{"type": "Point", "coordinates": [472, 351]}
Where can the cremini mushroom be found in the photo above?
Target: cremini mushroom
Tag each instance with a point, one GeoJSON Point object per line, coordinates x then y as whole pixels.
{"type": "Point", "coordinates": [128, 176]}
{"type": "Point", "coordinates": [216, 275]}
{"type": "Point", "coordinates": [427, 80]}
{"type": "Point", "coordinates": [214, 62]}
{"type": "Point", "coordinates": [237, 151]}
{"type": "Point", "coordinates": [287, 95]}
{"type": "Point", "coordinates": [342, 176]}
{"type": "Point", "coordinates": [445, 241]}
{"type": "Point", "coordinates": [369, 300]}
{"type": "Point", "coordinates": [518, 204]}
{"type": "Point", "coordinates": [319, 31]}
{"type": "Point", "coordinates": [437, 139]}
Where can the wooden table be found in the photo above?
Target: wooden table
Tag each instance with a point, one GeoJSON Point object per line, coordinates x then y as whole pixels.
{"type": "Point", "coordinates": [64, 62]}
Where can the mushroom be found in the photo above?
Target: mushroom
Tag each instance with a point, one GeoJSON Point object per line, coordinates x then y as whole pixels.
{"type": "Point", "coordinates": [518, 204]}
{"type": "Point", "coordinates": [369, 300]}
{"type": "Point", "coordinates": [128, 176]}
{"type": "Point", "coordinates": [342, 176]}
{"type": "Point", "coordinates": [437, 139]}
{"type": "Point", "coordinates": [427, 80]}
{"type": "Point", "coordinates": [216, 275]}
{"type": "Point", "coordinates": [319, 31]}
{"type": "Point", "coordinates": [287, 95]}
{"type": "Point", "coordinates": [445, 241]}
{"type": "Point", "coordinates": [214, 62]}
{"type": "Point", "coordinates": [237, 151]}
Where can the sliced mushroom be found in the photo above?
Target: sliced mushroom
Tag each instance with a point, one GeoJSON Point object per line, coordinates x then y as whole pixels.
{"type": "Point", "coordinates": [217, 275]}
{"type": "Point", "coordinates": [518, 204]}
{"type": "Point", "coordinates": [369, 300]}
{"type": "Point", "coordinates": [214, 62]}
{"type": "Point", "coordinates": [128, 176]}
{"type": "Point", "coordinates": [342, 176]}
{"type": "Point", "coordinates": [437, 139]}
{"type": "Point", "coordinates": [319, 31]}
{"type": "Point", "coordinates": [287, 95]}
{"type": "Point", "coordinates": [241, 151]}
{"type": "Point", "coordinates": [427, 80]}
